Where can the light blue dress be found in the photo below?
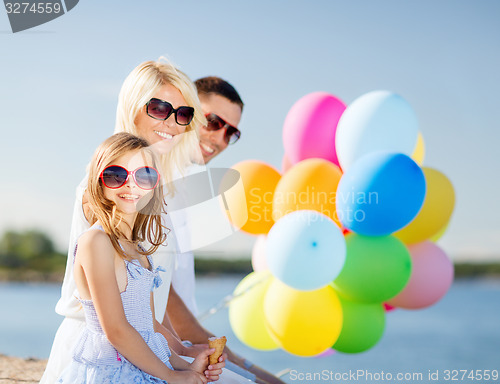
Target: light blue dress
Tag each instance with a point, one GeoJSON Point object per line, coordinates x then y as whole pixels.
{"type": "Point", "coordinates": [95, 360]}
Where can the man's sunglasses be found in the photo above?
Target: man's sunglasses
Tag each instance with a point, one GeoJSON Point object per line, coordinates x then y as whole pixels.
{"type": "Point", "coordinates": [214, 123]}
{"type": "Point", "coordinates": [161, 110]}
{"type": "Point", "coordinates": [115, 177]}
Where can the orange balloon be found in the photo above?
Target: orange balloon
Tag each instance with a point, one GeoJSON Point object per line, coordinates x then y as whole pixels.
{"type": "Point", "coordinates": [310, 184]}
{"type": "Point", "coordinates": [251, 209]}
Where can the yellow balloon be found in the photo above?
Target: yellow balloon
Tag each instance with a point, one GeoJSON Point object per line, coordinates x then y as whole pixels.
{"type": "Point", "coordinates": [419, 151]}
{"type": "Point", "coordinates": [246, 311]}
{"type": "Point", "coordinates": [251, 209]}
{"type": "Point", "coordinates": [435, 212]}
{"type": "Point", "coordinates": [310, 184]}
{"type": "Point", "coordinates": [305, 323]}
{"type": "Point", "coordinates": [440, 234]}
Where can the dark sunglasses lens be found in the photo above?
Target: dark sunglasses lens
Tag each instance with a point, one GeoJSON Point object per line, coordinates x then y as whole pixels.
{"type": "Point", "coordinates": [184, 115]}
{"type": "Point", "coordinates": [159, 109]}
{"type": "Point", "coordinates": [114, 176]}
{"type": "Point", "coordinates": [214, 122]}
{"type": "Point", "coordinates": [146, 177]}
{"type": "Point", "coordinates": [232, 135]}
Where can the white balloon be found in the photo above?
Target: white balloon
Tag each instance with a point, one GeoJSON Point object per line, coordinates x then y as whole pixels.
{"type": "Point", "coordinates": [375, 121]}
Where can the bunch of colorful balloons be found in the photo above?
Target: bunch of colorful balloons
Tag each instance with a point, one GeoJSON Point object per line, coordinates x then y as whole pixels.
{"type": "Point", "coordinates": [346, 232]}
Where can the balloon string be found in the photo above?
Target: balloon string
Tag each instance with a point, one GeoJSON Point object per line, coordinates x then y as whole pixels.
{"type": "Point", "coordinates": [227, 300]}
{"type": "Point", "coordinates": [282, 373]}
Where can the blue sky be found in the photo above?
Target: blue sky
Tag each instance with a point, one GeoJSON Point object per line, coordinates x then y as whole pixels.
{"type": "Point", "coordinates": [59, 84]}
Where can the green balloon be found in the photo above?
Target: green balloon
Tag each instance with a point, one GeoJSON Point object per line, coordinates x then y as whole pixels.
{"type": "Point", "coordinates": [362, 328]}
{"type": "Point", "coordinates": [375, 270]}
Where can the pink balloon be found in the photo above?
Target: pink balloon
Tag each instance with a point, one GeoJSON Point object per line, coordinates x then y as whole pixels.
{"type": "Point", "coordinates": [388, 307]}
{"type": "Point", "coordinates": [286, 164]}
{"type": "Point", "coordinates": [310, 126]}
{"type": "Point", "coordinates": [259, 259]}
{"type": "Point", "coordinates": [431, 277]}
{"type": "Point", "coordinates": [326, 353]}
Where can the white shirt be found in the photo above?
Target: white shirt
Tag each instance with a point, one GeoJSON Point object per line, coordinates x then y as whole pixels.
{"type": "Point", "coordinates": [183, 277]}
{"type": "Point", "coordinates": [199, 218]}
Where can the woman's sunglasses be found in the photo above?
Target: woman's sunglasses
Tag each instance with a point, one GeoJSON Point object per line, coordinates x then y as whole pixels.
{"type": "Point", "coordinates": [214, 123]}
{"type": "Point", "coordinates": [115, 177]}
{"type": "Point", "coordinates": [161, 110]}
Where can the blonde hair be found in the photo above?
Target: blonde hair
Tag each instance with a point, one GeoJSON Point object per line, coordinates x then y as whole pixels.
{"type": "Point", "coordinates": [139, 87]}
{"type": "Point", "coordinates": [147, 225]}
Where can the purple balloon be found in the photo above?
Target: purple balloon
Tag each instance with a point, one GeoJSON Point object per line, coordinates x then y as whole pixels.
{"type": "Point", "coordinates": [326, 353]}
{"type": "Point", "coordinates": [431, 277]}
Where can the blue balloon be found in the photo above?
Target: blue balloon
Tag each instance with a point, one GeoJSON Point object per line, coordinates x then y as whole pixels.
{"type": "Point", "coordinates": [380, 194]}
{"type": "Point", "coordinates": [305, 250]}
{"type": "Point", "coordinates": [376, 121]}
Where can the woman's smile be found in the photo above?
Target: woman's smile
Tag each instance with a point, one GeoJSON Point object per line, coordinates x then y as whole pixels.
{"type": "Point", "coordinates": [164, 135]}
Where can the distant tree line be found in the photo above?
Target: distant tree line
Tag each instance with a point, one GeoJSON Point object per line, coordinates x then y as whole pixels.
{"type": "Point", "coordinates": [31, 250]}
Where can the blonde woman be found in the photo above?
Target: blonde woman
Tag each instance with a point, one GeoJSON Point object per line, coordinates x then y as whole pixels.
{"type": "Point", "coordinates": [158, 103]}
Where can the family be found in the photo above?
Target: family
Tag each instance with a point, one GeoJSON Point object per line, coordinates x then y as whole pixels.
{"type": "Point", "coordinates": [128, 294]}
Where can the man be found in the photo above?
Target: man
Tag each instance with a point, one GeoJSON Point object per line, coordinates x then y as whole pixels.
{"type": "Point", "coordinates": [222, 107]}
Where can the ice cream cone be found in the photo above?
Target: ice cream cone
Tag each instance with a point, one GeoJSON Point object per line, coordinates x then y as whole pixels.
{"type": "Point", "coordinates": [218, 343]}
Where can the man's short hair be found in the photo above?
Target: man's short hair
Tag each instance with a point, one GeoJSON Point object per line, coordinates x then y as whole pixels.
{"type": "Point", "coordinates": [218, 86]}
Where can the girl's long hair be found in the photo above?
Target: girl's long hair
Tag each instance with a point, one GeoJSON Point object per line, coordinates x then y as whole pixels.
{"type": "Point", "coordinates": [147, 226]}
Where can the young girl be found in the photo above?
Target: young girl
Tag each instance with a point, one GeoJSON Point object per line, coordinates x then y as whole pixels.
{"type": "Point", "coordinates": [115, 276]}
{"type": "Point", "coordinates": [172, 134]}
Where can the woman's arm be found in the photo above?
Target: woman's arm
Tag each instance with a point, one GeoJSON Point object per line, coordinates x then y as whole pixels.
{"type": "Point", "coordinates": [187, 326]}
{"type": "Point", "coordinates": [96, 265]}
{"type": "Point", "coordinates": [168, 324]}
{"type": "Point", "coordinates": [200, 363]}
{"type": "Point", "coordinates": [167, 330]}
{"type": "Point", "coordinates": [184, 322]}
{"type": "Point", "coordinates": [173, 341]}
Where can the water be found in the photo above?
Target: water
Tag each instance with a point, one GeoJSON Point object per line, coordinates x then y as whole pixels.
{"type": "Point", "coordinates": [461, 332]}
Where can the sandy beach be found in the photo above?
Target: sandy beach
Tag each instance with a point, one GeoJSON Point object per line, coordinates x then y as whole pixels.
{"type": "Point", "coordinates": [17, 370]}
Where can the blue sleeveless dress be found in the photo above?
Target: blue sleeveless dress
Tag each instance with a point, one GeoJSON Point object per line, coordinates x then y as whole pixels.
{"type": "Point", "coordinates": [95, 360]}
